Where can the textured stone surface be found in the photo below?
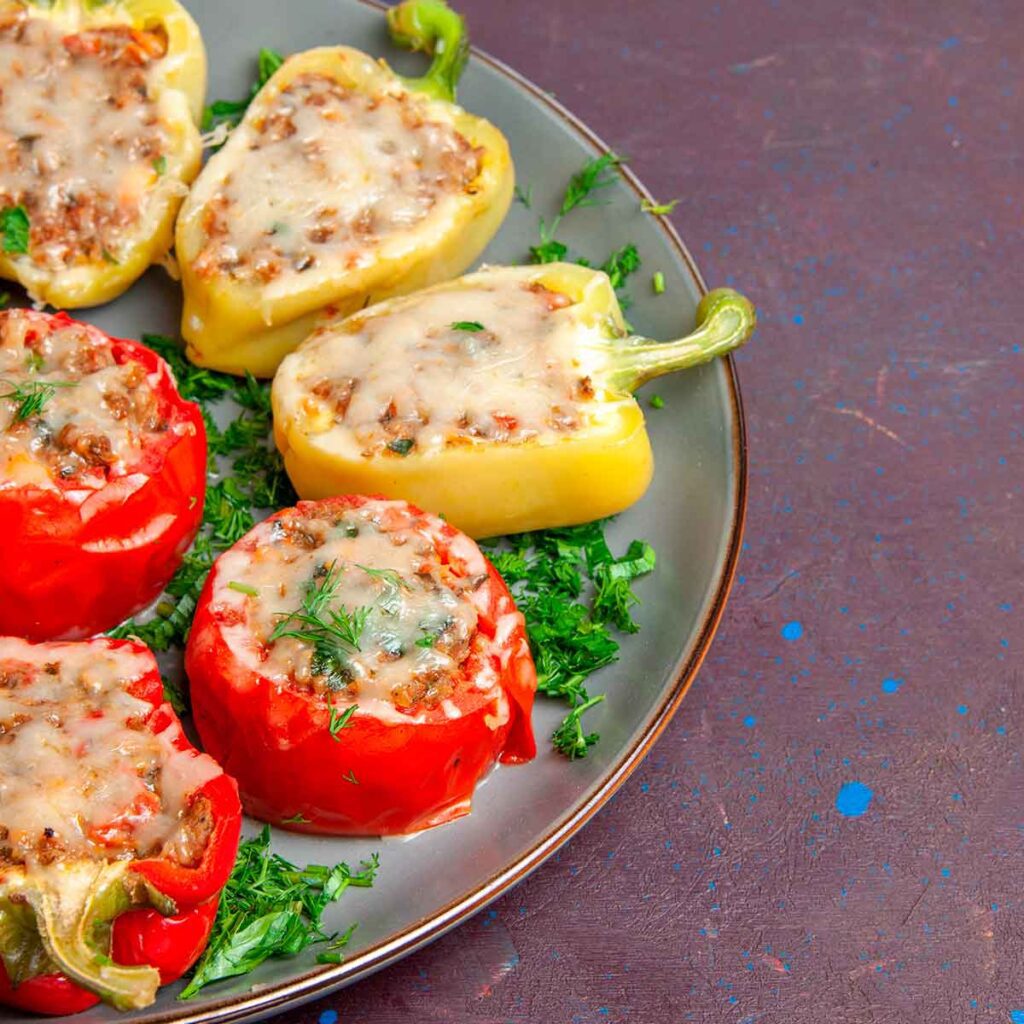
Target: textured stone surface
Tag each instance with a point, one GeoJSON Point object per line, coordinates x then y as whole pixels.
{"type": "Point", "coordinates": [831, 827]}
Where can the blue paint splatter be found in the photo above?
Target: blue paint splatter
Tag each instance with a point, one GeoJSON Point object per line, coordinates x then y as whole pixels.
{"type": "Point", "coordinates": [792, 630]}
{"type": "Point", "coordinates": [892, 684]}
{"type": "Point", "coordinates": [949, 44]}
{"type": "Point", "coordinates": [853, 799]}
{"type": "Point", "coordinates": [962, 710]}
{"type": "Point", "coordinates": [750, 721]}
{"type": "Point", "coordinates": [945, 872]}
{"type": "Point", "coordinates": [1017, 1016]}
{"type": "Point", "coordinates": [329, 1017]}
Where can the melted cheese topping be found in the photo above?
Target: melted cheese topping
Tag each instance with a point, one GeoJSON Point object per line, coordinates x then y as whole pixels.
{"type": "Point", "coordinates": [328, 173]}
{"type": "Point", "coordinates": [375, 566]}
{"type": "Point", "coordinates": [80, 138]}
{"type": "Point", "coordinates": [81, 776]}
{"type": "Point", "coordinates": [495, 359]}
{"type": "Point", "coordinates": [68, 410]}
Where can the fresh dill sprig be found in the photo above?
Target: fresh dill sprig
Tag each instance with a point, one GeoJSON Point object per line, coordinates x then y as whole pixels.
{"type": "Point", "coordinates": [572, 591]}
{"type": "Point", "coordinates": [340, 720]}
{"type": "Point", "coordinates": [658, 209]}
{"type": "Point", "coordinates": [272, 908]}
{"type": "Point", "coordinates": [31, 396]}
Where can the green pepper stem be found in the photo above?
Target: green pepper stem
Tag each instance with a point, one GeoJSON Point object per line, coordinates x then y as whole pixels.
{"type": "Point", "coordinates": [432, 27]}
{"type": "Point", "coordinates": [74, 911]}
{"type": "Point", "coordinates": [725, 320]}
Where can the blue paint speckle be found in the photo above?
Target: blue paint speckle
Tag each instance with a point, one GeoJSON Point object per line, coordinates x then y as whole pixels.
{"type": "Point", "coordinates": [945, 872]}
{"type": "Point", "coordinates": [792, 630]}
{"type": "Point", "coordinates": [329, 1017]}
{"type": "Point", "coordinates": [853, 799]}
{"type": "Point", "coordinates": [750, 721]}
{"type": "Point", "coordinates": [953, 101]}
{"type": "Point", "coordinates": [1017, 1016]}
{"type": "Point", "coordinates": [961, 709]}
{"type": "Point", "coordinates": [948, 44]}
{"type": "Point", "coordinates": [892, 684]}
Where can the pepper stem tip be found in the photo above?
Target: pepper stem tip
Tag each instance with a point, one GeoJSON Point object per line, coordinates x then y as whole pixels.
{"type": "Point", "coordinates": [431, 26]}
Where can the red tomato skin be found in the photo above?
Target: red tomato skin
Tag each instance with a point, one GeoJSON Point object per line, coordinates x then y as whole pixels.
{"type": "Point", "coordinates": [408, 776]}
{"type": "Point", "coordinates": [79, 562]}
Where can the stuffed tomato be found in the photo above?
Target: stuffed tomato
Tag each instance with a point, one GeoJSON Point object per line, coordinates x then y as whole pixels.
{"type": "Point", "coordinates": [357, 665]}
{"type": "Point", "coordinates": [116, 834]}
{"type": "Point", "coordinates": [102, 476]}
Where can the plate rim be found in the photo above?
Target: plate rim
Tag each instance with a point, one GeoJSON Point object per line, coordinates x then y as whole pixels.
{"type": "Point", "coordinates": [321, 981]}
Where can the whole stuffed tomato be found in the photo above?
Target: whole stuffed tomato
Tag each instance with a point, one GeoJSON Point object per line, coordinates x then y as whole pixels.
{"type": "Point", "coordinates": [102, 476]}
{"type": "Point", "coordinates": [357, 665]}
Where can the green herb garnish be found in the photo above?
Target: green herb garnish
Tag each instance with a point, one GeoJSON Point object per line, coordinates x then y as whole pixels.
{"type": "Point", "coordinates": [657, 402]}
{"type": "Point", "coordinates": [658, 283]}
{"type": "Point", "coordinates": [160, 165]}
{"type": "Point", "coordinates": [401, 445]}
{"type": "Point", "coordinates": [271, 908]}
{"type": "Point", "coordinates": [14, 226]}
{"type": "Point", "coordinates": [31, 395]}
{"type": "Point", "coordinates": [340, 720]}
{"type": "Point", "coordinates": [231, 111]}
{"type": "Point", "coordinates": [350, 776]}
{"type": "Point", "coordinates": [658, 209]}
{"type": "Point", "coordinates": [243, 588]}
{"type": "Point", "coordinates": [467, 325]}
{"type": "Point", "coordinates": [524, 196]}
{"type": "Point", "coordinates": [569, 623]}
{"type": "Point", "coordinates": [296, 819]}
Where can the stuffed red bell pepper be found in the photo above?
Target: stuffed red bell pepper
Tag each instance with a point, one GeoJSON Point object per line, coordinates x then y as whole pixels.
{"type": "Point", "coordinates": [358, 665]}
{"type": "Point", "coordinates": [116, 834]}
{"type": "Point", "coordinates": [102, 476]}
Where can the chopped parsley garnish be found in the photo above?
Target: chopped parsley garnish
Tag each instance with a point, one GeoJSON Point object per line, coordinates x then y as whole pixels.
{"type": "Point", "coordinates": [524, 196]}
{"type": "Point", "coordinates": [570, 631]}
{"type": "Point", "coordinates": [401, 445]}
{"type": "Point", "coordinates": [272, 908]}
{"type": "Point", "coordinates": [231, 111]}
{"type": "Point", "coordinates": [340, 720]}
{"type": "Point", "coordinates": [109, 257]}
{"type": "Point", "coordinates": [243, 588]}
{"type": "Point", "coordinates": [658, 283]}
{"type": "Point", "coordinates": [350, 776]}
{"type": "Point", "coordinates": [296, 819]}
{"type": "Point", "coordinates": [658, 209]}
{"type": "Point", "coordinates": [467, 325]}
{"type": "Point", "coordinates": [427, 640]}
{"type": "Point", "coordinates": [160, 165]}
{"type": "Point", "coordinates": [14, 226]}
{"type": "Point", "coordinates": [657, 402]}
{"type": "Point", "coordinates": [31, 396]}
{"type": "Point", "coordinates": [593, 175]}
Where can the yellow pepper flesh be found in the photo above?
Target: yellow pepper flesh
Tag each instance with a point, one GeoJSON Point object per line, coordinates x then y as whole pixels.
{"type": "Point", "coordinates": [176, 84]}
{"type": "Point", "coordinates": [238, 325]}
{"type": "Point", "coordinates": [487, 487]}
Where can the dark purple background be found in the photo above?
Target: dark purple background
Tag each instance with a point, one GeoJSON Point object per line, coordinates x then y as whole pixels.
{"type": "Point", "coordinates": [857, 169]}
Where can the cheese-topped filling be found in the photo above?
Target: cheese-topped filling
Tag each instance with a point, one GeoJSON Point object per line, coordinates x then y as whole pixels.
{"type": "Point", "coordinates": [495, 360]}
{"type": "Point", "coordinates": [68, 410]}
{"type": "Point", "coordinates": [80, 138]}
{"type": "Point", "coordinates": [360, 605]}
{"type": "Point", "coordinates": [81, 776]}
{"type": "Point", "coordinates": [328, 173]}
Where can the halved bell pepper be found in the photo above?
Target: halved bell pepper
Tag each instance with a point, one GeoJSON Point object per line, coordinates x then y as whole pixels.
{"type": "Point", "coordinates": [99, 112]}
{"type": "Point", "coordinates": [502, 399]}
{"type": "Point", "coordinates": [116, 834]}
{"type": "Point", "coordinates": [344, 183]}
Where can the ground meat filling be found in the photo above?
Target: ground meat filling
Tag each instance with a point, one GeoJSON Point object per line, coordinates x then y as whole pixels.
{"type": "Point", "coordinates": [330, 173]}
{"type": "Point", "coordinates": [360, 605]}
{"type": "Point", "coordinates": [81, 142]}
{"type": "Point", "coordinates": [497, 362]}
{"type": "Point", "coordinates": [82, 777]}
{"type": "Point", "coordinates": [67, 408]}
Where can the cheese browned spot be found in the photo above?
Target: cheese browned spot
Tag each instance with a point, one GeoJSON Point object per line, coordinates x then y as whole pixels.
{"type": "Point", "coordinates": [96, 415]}
{"type": "Point", "coordinates": [80, 774]}
{"type": "Point", "coordinates": [329, 174]}
{"type": "Point", "coordinates": [496, 360]}
{"type": "Point", "coordinates": [380, 565]}
{"type": "Point", "coordinates": [79, 135]}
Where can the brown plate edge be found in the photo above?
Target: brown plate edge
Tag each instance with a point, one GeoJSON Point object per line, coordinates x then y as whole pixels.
{"type": "Point", "coordinates": [322, 981]}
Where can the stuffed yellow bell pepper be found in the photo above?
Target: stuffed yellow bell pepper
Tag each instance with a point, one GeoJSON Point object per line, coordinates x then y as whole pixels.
{"type": "Point", "coordinates": [99, 108]}
{"type": "Point", "coordinates": [344, 184]}
{"type": "Point", "coordinates": [502, 399]}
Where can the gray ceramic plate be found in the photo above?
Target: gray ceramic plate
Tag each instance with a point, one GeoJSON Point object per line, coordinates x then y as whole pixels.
{"type": "Point", "coordinates": [692, 515]}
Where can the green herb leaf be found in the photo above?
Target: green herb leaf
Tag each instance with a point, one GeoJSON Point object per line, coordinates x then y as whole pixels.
{"type": "Point", "coordinates": [657, 402]}
{"type": "Point", "coordinates": [569, 738]}
{"type": "Point", "coordinates": [524, 196]}
{"type": "Point", "coordinates": [468, 325]}
{"type": "Point", "coordinates": [109, 257]}
{"type": "Point", "coordinates": [31, 396]}
{"type": "Point", "coordinates": [296, 819]}
{"type": "Point", "coordinates": [350, 776]}
{"type": "Point", "coordinates": [594, 175]}
{"type": "Point", "coordinates": [14, 226]}
{"type": "Point", "coordinates": [340, 720]}
{"type": "Point", "coordinates": [232, 111]}
{"type": "Point", "coordinates": [160, 165]}
{"type": "Point", "coordinates": [658, 209]}
{"type": "Point", "coordinates": [243, 588]}
{"type": "Point", "coordinates": [658, 283]}
{"type": "Point", "coordinates": [5, 300]}
{"type": "Point", "coordinates": [271, 908]}
{"type": "Point", "coordinates": [401, 445]}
